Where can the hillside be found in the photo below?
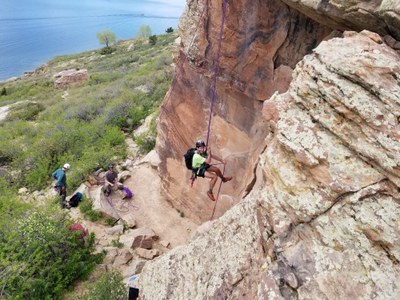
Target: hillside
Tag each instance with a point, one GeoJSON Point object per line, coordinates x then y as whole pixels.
{"type": "Point", "coordinates": [89, 109]}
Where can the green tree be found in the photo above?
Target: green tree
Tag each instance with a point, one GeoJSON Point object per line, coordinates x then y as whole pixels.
{"type": "Point", "coordinates": [169, 30]}
{"type": "Point", "coordinates": [144, 31]}
{"type": "Point", "coordinates": [106, 37]}
{"type": "Point", "coordinates": [153, 40]}
{"type": "Point", "coordinates": [3, 92]}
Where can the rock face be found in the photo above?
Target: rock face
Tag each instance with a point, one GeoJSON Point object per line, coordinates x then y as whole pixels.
{"type": "Point", "coordinates": [381, 16]}
{"type": "Point", "coordinates": [322, 218]}
{"type": "Point", "coordinates": [262, 41]}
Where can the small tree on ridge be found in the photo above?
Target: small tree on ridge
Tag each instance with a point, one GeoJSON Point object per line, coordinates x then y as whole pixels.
{"type": "Point", "coordinates": [144, 31]}
{"type": "Point", "coordinates": [106, 37]}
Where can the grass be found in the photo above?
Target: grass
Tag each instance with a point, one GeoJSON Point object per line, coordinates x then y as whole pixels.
{"type": "Point", "coordinates": [83, 125]}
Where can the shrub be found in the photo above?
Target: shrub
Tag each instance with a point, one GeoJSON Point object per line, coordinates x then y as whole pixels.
{"type": "Point", "coordinates": [41, 256]}
{"type": "Point", "coordinates": [169, 30]}
{"type": "Point", "coordinates": [108, 287]}
{"type": "Point", "coordinates": [146, 143]}
{"type": "Point", "coordinates": [3, 91]}
{"type": "Point", "coordinates": [25, 111]}
{"type": "Point", "coordinates": [107, 50]}
{"type": "Point", "coordinates": [110, 221]}
{"type": "Point", "coordinates": [152, 40]}
{"type": "Point", "coordinates": [116, 243]}
{"type": "Point", "coordinates": [86, 208]}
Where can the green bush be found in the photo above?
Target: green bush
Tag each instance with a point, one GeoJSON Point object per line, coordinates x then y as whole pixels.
{"type": "Point", "coordinates": [152, 40]}
{"type": "Point", "coordinates": [108, 287]}
{"type": "Point", "coordinates": [41, 257]}
{"type": "Point", "coordinates": [107, 50]}
{"type": "Point", "coordinates": [146, 143]}
{"type": "Point", "coordinates": [3, 92]}
{"type": "Point", "coordinates": [25, 111]}
{"type": "Point", "coordinates": [116, 243]}
{"type": "Point", "coordinates": [86, 208]}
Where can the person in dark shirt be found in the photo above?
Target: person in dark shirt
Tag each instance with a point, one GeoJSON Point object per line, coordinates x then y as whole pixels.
{"type": "Point", "coordinates": [111, 180]}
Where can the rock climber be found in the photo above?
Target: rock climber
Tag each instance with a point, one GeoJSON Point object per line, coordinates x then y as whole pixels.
{"type": "Point", "coordinates": [201, 165]}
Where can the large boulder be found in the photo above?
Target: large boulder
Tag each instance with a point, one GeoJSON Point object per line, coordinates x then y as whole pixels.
{"type": "Point", "coordinates": [70, 77]}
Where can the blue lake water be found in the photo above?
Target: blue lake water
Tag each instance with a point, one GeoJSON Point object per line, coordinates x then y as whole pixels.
{"type": "Point", "coordinates": [33, 32]}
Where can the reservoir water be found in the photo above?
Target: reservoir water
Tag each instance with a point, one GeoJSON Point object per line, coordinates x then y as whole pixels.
{"type": "Point", "coordinates": [33, 32]}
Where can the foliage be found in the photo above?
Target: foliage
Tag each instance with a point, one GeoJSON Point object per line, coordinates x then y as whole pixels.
{"type": "Point", "coordinates": [25, 111]}
{"type": "Point", "coordinates": [108, 287]}
{"type": "Point", "coordinates": [116, 243]}
{"type": "Point", "coordinates": [107, 50]}
{"type": "Point", "coordinates": [10, 208]}
{"type": "Point", "coordinates": [152, 40]}
{"type": "Point", "coordinates": [106, 37]}
{"type": "Point", "coordinates": [144, 31]}
{"type": "Point", "coordinates": [110, 221]}
{"type": "Point", "coordinates": [147, 140]}
{"type": "Point", "coordinates": [169, 30]}
{"type": "Point", "coordinates": [3, 92]}
{"type": "Point", "coordinates": [40, 256]}
{"type": "Point", "coordinates": [86, 208]}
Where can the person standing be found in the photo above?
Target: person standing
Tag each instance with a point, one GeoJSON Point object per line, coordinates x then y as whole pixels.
{"type": "Point", "coordinates": [61, 184]}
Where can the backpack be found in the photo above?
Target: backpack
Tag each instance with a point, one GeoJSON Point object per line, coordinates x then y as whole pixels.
{"type": "Point", "coordinates": [75, 199]}
{"type": "Point", "coordinates": [127, 193]}
{"type": "Point", "coordinates": [189, 157]}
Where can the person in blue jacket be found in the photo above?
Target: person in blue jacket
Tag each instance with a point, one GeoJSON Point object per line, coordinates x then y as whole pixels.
{"type": "Point", "coordinates": [61, 184]}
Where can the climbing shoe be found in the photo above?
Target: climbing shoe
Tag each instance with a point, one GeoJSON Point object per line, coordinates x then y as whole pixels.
{"type": "Point", "coordinates": [210, 195]}
{"type": "Point", "coordinates": [226, 179]}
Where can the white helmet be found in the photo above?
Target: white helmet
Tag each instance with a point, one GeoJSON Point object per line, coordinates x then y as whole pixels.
{"type": "Point", "coordinates": [66, 166]}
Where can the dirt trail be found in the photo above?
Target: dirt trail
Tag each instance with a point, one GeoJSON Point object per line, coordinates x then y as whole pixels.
{"type": "Point", "coordinates": [148, 207]}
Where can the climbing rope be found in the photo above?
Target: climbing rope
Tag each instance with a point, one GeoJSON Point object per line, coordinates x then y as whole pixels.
{"type": "Point", "coordinates": [216, 199]}
{"type": "Point", "coordinates": [221, 31]}
{"type": "Point", "coordinates": [122, 208]}
{"type": "Point", "coordinates": [216, 71]}
{"type": "Point", "coordinates": [181, 62]}
{"type": "Point", "coordinates": [214, 85]}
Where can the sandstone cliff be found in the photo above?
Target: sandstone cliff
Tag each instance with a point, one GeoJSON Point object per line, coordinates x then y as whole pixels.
{"type": "Point", "coordinates": [262, 42]}
{"type": "Point", "coordinates": [318, 162]}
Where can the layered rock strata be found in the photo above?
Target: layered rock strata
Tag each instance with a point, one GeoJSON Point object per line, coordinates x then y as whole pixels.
{"type": "Point", "coordinates": [381, 16]}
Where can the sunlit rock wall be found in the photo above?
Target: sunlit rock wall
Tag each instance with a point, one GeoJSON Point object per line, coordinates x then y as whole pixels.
{"type": "Point", "coordinates": [262, 41]}
{"type": "Point", "coordinates": [322, 220]}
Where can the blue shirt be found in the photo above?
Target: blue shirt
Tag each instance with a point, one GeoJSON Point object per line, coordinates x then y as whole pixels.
{"type": "Point", "coordinates": [61, 178]}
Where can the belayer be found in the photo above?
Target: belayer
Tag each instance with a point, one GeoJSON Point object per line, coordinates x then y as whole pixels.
{"type": "Point", "coordinates": [202, 167]}
{"type": "Point", "coordinates": [61, 184]}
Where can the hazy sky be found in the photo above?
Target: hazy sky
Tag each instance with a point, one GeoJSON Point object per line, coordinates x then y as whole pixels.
{"type": "Point", "coordinates": [67, 8]}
